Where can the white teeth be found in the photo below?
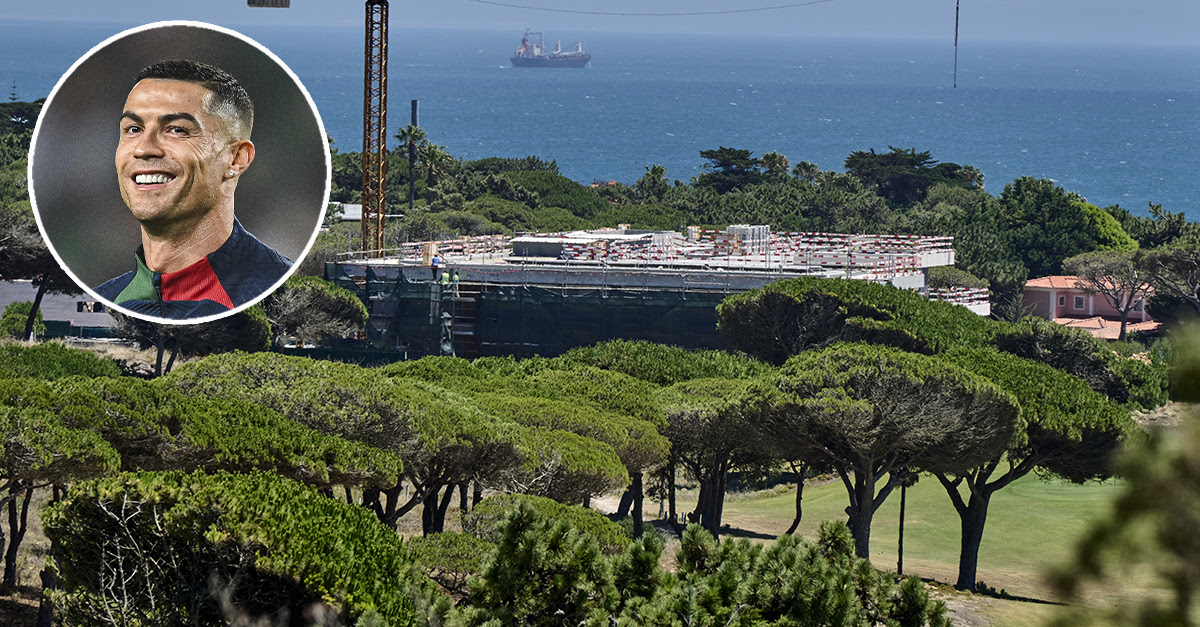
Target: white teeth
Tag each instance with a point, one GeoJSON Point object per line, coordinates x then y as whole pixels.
{"type": "Point", "coordinates": [150, 179]}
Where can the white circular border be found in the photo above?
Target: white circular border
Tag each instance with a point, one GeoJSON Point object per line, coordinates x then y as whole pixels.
{"type": "Point", "coordinates": [33, 154]}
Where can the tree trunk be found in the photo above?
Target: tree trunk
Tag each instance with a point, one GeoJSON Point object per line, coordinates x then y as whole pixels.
{"type": "Point", "coordinates": [174, 354]}
{"type": "Point", "coordinates": [803, 470]}
{"type": "Point", "coordinates": [18, 522]}
{"type": "Point", "coordinates": [43, 285]}
{"type": "Point", "coordinates": [429, 511]}
{"type": "Point", "coordinates": [46, 608]}
{"type": "Point", "coordinates": [463, 503]}
{"type": "Point", "coordinates": [972, 521]}
{"type": "Point", "coordinates": [671, 513]}
{"type": "Point", "coordinates": [719, 498]}
{"type": "Point", "coordinates": [862, 510]}
{"type": "Point", "coordinates": [900, 550]}
{"type": "Point", "coordinates": [476, 494]}
{"type": "Point", "coordinates": [626, 503]}
{"type": "Point", "coordinates": [438, 520]}
{"type": "Point", "coordinates": [638, 495]}
{"type": "Point", "coordinates": [370, 500]}
{"type": "Point", "coordinates": [158, 346]}
{"type": "Point", "coordinates": [349, 495]}
{"type": "Point", "coordinates": [1124, 322]}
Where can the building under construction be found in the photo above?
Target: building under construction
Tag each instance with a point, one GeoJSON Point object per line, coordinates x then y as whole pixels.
{"type": "Point", "coordinates": [542, 294]}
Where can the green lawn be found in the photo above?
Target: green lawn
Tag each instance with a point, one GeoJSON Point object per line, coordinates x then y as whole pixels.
{"type": "Point", "coordinates": [1032, 525]}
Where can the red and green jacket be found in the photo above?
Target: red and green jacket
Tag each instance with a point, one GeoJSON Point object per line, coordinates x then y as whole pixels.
{"type": "Point", "coordinates": [238, 272]}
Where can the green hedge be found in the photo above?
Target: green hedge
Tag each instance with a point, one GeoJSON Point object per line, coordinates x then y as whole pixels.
{"type": "Point", "coordinates": [267, 542]}
{"type": "Point", "coordinates": [52, 361]}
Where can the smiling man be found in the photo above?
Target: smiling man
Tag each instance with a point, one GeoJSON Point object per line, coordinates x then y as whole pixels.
{"type": "Point", "coordinates": [185, 141]}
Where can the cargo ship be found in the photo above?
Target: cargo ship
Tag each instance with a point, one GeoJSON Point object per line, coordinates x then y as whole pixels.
{"type": "Point", "coordinates": [533, 54]}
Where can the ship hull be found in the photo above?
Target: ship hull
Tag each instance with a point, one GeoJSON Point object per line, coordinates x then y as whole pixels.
{"type": "Point", "coordinates": [546, 61]}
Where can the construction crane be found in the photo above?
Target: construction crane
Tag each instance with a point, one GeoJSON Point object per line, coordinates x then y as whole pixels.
{"type": "Point", "coordinates": [374, 149]}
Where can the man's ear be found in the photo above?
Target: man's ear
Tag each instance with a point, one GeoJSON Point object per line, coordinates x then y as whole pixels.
{"type": "Point", "coordinates": [243, 154]}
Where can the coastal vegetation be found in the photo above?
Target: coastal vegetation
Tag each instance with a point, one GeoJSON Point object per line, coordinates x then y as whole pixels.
{"type": "Point", "coordinates": [247, 484]}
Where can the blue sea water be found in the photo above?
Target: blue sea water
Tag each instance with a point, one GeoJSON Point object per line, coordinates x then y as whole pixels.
{"type": "Point", "coordinates": [1118, 125]}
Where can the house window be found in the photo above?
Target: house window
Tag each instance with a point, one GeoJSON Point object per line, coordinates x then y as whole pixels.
{"type": "Point", "coordinates": [1079, 302]}
{"type": "Point", "coordinates": [1062, 301]}
{"type": "Point", "coordinates": [1138, 305]}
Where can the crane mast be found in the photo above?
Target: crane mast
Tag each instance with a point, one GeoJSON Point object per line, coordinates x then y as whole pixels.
{"type": "Point", "coordinates": [374, 152]}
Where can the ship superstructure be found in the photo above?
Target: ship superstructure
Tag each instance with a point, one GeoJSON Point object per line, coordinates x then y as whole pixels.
{"type": "Point", "coordinates": [532, 53]}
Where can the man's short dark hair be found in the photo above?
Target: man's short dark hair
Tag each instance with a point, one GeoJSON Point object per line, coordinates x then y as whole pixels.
{"type": "Point", "coordinates": [231, 100]}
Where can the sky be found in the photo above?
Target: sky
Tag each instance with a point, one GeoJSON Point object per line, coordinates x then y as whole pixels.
{"type": "Point", "coordinates": [1157, 22]}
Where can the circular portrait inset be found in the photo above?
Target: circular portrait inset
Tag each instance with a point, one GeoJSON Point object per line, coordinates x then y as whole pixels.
{"type": "Point", "coordinates": [178, 171]}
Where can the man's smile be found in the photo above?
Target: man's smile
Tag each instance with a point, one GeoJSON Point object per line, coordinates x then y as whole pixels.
{"type": "Point", "coordinates": [152, 180]}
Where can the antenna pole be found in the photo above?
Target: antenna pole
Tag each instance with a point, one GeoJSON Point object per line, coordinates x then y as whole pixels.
{"type": "Point", "coordinates": [956, 43]}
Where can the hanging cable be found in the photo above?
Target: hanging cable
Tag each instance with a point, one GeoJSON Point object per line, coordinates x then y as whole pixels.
{"type": "Point", "coordinates": [677, 14]}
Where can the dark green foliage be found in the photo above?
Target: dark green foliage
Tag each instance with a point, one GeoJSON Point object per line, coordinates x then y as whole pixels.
{"type": "Point", "coordinates": [12, 321]}
{"type": "Point", "coordinates": [499, 165]}
{"type": "Point", "coordinates": [636, 442]}
{"type": "Point", "coordinates": [728, 169]}
{"type": "Point", "coordinates": [147, 548]}
{"type": "Point", "coordinates": [450, 557]}
{"type": "Point", "coordinates": [949, 277]}
{"type": "Point", "coordinates": [1161, 228]}
{"type": "Point", "coordinates": [485, 520]}
{"type": "Point", "coordinates": [543, 572]}
{"type": "Point", "coordinates": [158, 429]}
{"type": "Point", "coordinates": [1078, 353]}
{"type": "Point", "coordinates": [1049, 224]}
{"type": "Point", "coordinates": [1066, 428]}
{"type": "Point", "coordinates": [870, 410]}
{"type": "Point", "coordinates": [1175, 268]}
{"type": "Point", "coordinates": [714, 429]}
{"type": "Point", "coordinates": [346, 182]}
{"type": "Point", "coordinates": [650, 217]}
{"type": "Point", "coordinates": [443, 438]}
{"type": "Point", "coordinates": [18, 117]}
{"type": "Point", "coordinates": [555, 190]}
{"type": "Point", "coordinates": [38, 448]}
{"type": "Point", "coordinates": [983, 241]}
{"type": "Point", "coordinates": [789, 317]}
{"type": "Point", "coordinates": [51, 360]}
{"type": "Point", "coordinates": [1171, 309]}
{"type": "Point", "coordinates": [661, 364]}
{"type": "Point", "coordinates": [789, 582]}
{"type": "Point", "coordinates": [246, 330]}
{"type": "Point", "coordinates": [902, 176]}
{"type": "Point", "coordinates": [311, 309]}
{"type": "Point", "coordinates": [1185, 370]}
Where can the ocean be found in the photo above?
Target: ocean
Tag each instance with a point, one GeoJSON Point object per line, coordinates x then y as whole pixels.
{"type": "Point", "coordinates": [1116, 124]}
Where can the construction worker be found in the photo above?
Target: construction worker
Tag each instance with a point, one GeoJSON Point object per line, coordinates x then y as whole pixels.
{"type": "Point", "coordinates": [454, 282]}
{"type": "Point", "coordinates": [445, 280]}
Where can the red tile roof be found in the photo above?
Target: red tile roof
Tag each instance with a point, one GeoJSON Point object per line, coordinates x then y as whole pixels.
{"type": "Point", "coordinates": [1053, 282]}
{"type": "Point", "coordinates": [1104, 328]}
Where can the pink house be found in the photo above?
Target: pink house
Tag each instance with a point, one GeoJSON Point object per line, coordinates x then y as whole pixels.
{"type": "Point", "coordinates": [1058, 298]}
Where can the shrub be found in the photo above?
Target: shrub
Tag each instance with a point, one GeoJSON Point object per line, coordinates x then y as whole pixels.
{"type": "Point", "coordinates": [51, 361]}
{"type": "Point", "coordinates": [12, 321]}
{"type": "Point", "coordinates": [168, 548]}
{"type": "Point", "coordinates": [485, 520]}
